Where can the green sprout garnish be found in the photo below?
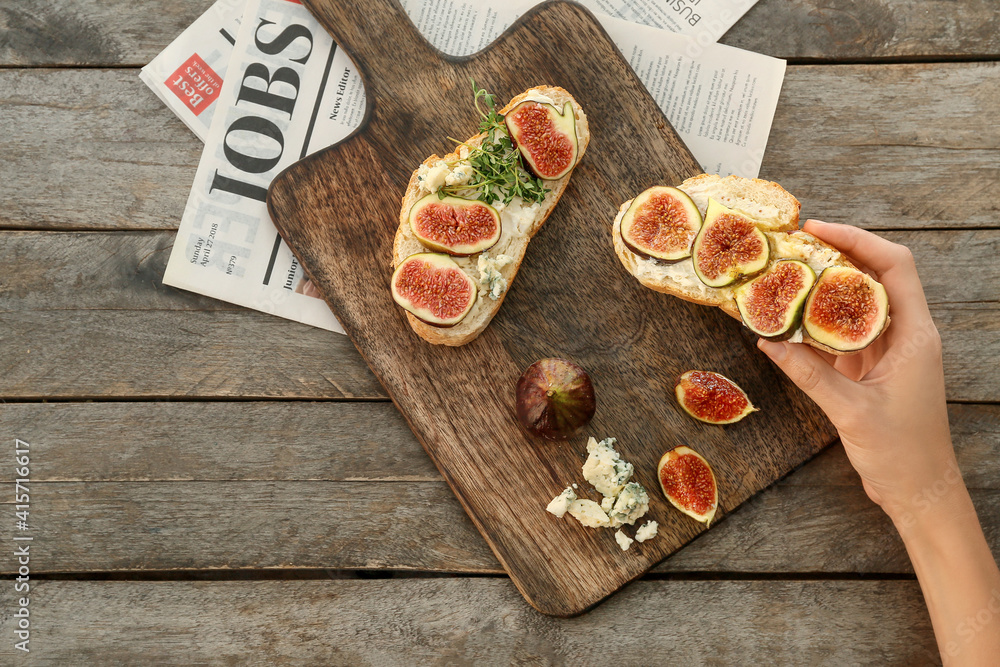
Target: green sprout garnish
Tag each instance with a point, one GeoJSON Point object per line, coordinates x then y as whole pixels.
{"type": "Point", "coordinates": [497, 170]}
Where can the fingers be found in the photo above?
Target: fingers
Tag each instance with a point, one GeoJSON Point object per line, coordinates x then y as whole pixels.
{"type": "Point", "coordinates": [873, 251]}
{"type": "Point", "coordinates": [813, 374]}
{"type": "Point", "coordinates": [892, 264]}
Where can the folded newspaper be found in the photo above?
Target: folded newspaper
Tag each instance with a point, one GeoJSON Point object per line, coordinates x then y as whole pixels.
{"type": "Point", "coordinates": [273, 57]}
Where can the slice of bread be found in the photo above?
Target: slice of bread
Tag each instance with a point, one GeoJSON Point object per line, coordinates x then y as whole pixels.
{"type": "Point", "coordinates": [776, 213]}
{"type": "Point", "coordinates": [518, 224]}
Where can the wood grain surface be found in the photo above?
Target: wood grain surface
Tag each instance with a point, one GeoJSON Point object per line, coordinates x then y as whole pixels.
{"type": "Point", "coordinates": [85, 294]}
{"type": "Point", "coordinates": [337, 211]}
{"type": "Point", "coordinates": [895, 140]}
{"type": "Point", "coordinates": [124, 33]}
{"type": "Point", "coordinates": [346, 485]}
{"type": "Point", "coordinates": [474, 621]}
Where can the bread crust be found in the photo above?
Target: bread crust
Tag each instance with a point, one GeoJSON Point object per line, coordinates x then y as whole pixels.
{"type": "Point", "coordinates": [781, 229]}
{"type": "Point", "coordinates": [405, 244]}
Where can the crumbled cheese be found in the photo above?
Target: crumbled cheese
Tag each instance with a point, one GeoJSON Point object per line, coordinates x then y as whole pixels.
{"type": "Point", "coordinates": [631, 504]}
{"type": "Point", "coordinates": [624, 541]}
{"type": "Point", "coordinates": [490, 277]}
{"type": "Point", "coordinates": [522, 216]}
{"type": "Point", "coordinates": [608, 503]}
{"type": "Point", "coordinates": [646, 532]}
{"type": "Point", "coordinates": [460, 175]}
{"type": "Point", "coordinates": [431, 178]}
{"type": "Point", "coordinates": [589, 513]}
{"type": "Point", "coordinates": [536, 95]}
{"type": "Point", "coordinates": [560, 504]}
{"type": "Point", "coordinates": [605, 469]}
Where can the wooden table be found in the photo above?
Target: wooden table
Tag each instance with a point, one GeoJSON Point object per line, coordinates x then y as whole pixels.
{"type": "Point", "coordinates": [216, 485]}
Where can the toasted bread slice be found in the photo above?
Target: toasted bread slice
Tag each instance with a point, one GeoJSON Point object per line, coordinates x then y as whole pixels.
{"type": "Point", "coordinates": [777, 215]}
{"type": "Point", "coordinates": [519, 223]}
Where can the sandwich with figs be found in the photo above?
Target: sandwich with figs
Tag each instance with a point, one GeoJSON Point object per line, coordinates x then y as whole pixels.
{"type": "Point", "coordinates": [735, 243]}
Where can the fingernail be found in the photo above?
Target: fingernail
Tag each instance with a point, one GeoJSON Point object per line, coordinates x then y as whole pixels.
{"type": "Point", "coordinates": [776, 351]}
{"type": "Point", "coordinates": [815, 221]}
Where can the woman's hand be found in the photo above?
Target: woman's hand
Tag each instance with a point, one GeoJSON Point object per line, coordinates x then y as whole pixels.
{"type": "Point", "coordinates": [888, 404]}
{"type": "Point", "coordinates": [887, 401]}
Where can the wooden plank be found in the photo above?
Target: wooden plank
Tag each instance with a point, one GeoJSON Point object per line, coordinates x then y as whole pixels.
{"type": "Point", "coordinates": [571, 302]}
{"type": "Point", "coordinates": [346, 486]}
{"type": "Point", "coordinates": [886, 147]}
{"type": "Point", "coordinates": [117, 32]}
{"type": "Point", "coordinates": [124, 270]}
{"type": "Point", "coordinates": [145, 526]}
{"type": "Point", "coordinates": [86, 315]}
{"type": "Point", "coordinates": [469, 621]}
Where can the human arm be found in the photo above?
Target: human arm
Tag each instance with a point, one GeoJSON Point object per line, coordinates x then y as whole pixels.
{"type": "Point", "coordinates": [888, 404]}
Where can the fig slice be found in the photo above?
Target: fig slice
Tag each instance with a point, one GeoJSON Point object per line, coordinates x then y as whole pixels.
{"type": "Point", "coordinates": [771, 304]}
{"type": "Point", "coordinates": [846, 310]}
{"type": "Point", "coordinates": [434, 288]}
{"type": "Point", "coordinates": [728, 247]}
{"type": "Point", "coordinates": [712, 398]}
{"type": "Point", "coordinates": [454, 225]}
{"type": "Point", "coordinates": [689, 483]}
{"type": "Point", "coordinates": [554, 399]}
{"type": "Point", "coordinates": [545, 137]}
{"type": "Point", "coordinates": [661, 223]}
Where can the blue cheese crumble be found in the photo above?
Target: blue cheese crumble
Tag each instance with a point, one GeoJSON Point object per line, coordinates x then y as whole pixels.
{"type": "Point", "coordinates": [646, 532]}
{"type": "Point", "coordinates": [560, 504]}
{"type": "Point", "coordinates": [490, 277]}
{"type": "Point", "coordinates": [604, 467]}
{"type": "Point", "coordinates": [631, 504]}
{"type": "Point", "coordinates": [624, 501]}
{"type": "Point", "coordinates": [624, 541]}
{"type": "Point", "coordinates": [589, 513]}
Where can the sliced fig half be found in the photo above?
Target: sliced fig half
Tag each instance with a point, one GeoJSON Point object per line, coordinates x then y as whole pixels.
{"type": "Point", "coordinates": [689, 483]}
{"type": "Point", "coordinates": [434, 288]}
{"type": "Point", "coordinates": [554, 399]}
{"type": "Point", "coordinates": [454, 225]}
{"type": "Point", "coordinates": [661, 223]}
{"type": "Point", "coordinates": [728, 247]}
{"type": "Point", "coordinates": [771, 304]}
{"type": "Point", "coordinates": [545, 136]}
{"type": "Point", "coordinates": [846, 310]}
{"type": "Point", "coordinates": [712, 398]}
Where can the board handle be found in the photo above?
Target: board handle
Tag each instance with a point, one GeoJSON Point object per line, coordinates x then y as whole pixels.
{"type": "Point", "coordinates": [378, 35]}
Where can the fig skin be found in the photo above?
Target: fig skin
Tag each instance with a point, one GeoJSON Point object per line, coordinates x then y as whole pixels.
{"type": "Point", "coordinates": [845, 306]}
{"type": "Point", "coordinates": [565, 123]}
{"type": "Point", "coordinates": [554, 399]}
{"type": "Point", "coordinates": [793, 316]}
{"type": "Point", "coordinates": [708, 240]}
{"type": "Point", "coordinates": [653, 197]}
{"type": "Point", "coordinates": [688, 482]}
{"type": "Point", "coordinates": [699, 392]}
{"type": "Point", "coordinates": [439, 262]}
{"type": "Point", "coordinates": [455, 249]}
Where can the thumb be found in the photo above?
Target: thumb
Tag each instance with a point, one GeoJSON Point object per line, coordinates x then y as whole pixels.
{"type": "Point", "coordinates": [813, 374]}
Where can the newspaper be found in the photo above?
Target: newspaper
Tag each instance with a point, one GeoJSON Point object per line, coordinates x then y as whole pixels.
{"type": "Point", "coordinates": [187, 76]}
{"type": "Point", "coordinates": [288, 91]}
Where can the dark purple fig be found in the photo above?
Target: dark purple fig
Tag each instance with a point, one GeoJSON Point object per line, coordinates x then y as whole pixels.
{"type": "Point", "coordinates": [555, 399]}
{"type": "Point", "coordinates": [434, 289]}
{"type": "Point", "coordinates": [661, 223]}
{"type": "Point", "coordinates": [771, 304]}
{"type": "Point", "coordinates": [545, 137]}
{"type": "Point", "coordinates": [454, 225]}
{"type": "Point", "coordinates": [846, 310]}
{"type": "Point", "coordinates": [712, 397]}
{"type": "Point", "coordinates": [728, 247]}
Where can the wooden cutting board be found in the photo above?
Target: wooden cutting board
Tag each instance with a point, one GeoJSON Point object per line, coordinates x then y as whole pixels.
{"type": "Point", "coordinates": [338, 210]}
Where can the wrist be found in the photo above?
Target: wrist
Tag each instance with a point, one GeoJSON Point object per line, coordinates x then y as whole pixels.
{"type": "Point", "coordinates": [934, 512]}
